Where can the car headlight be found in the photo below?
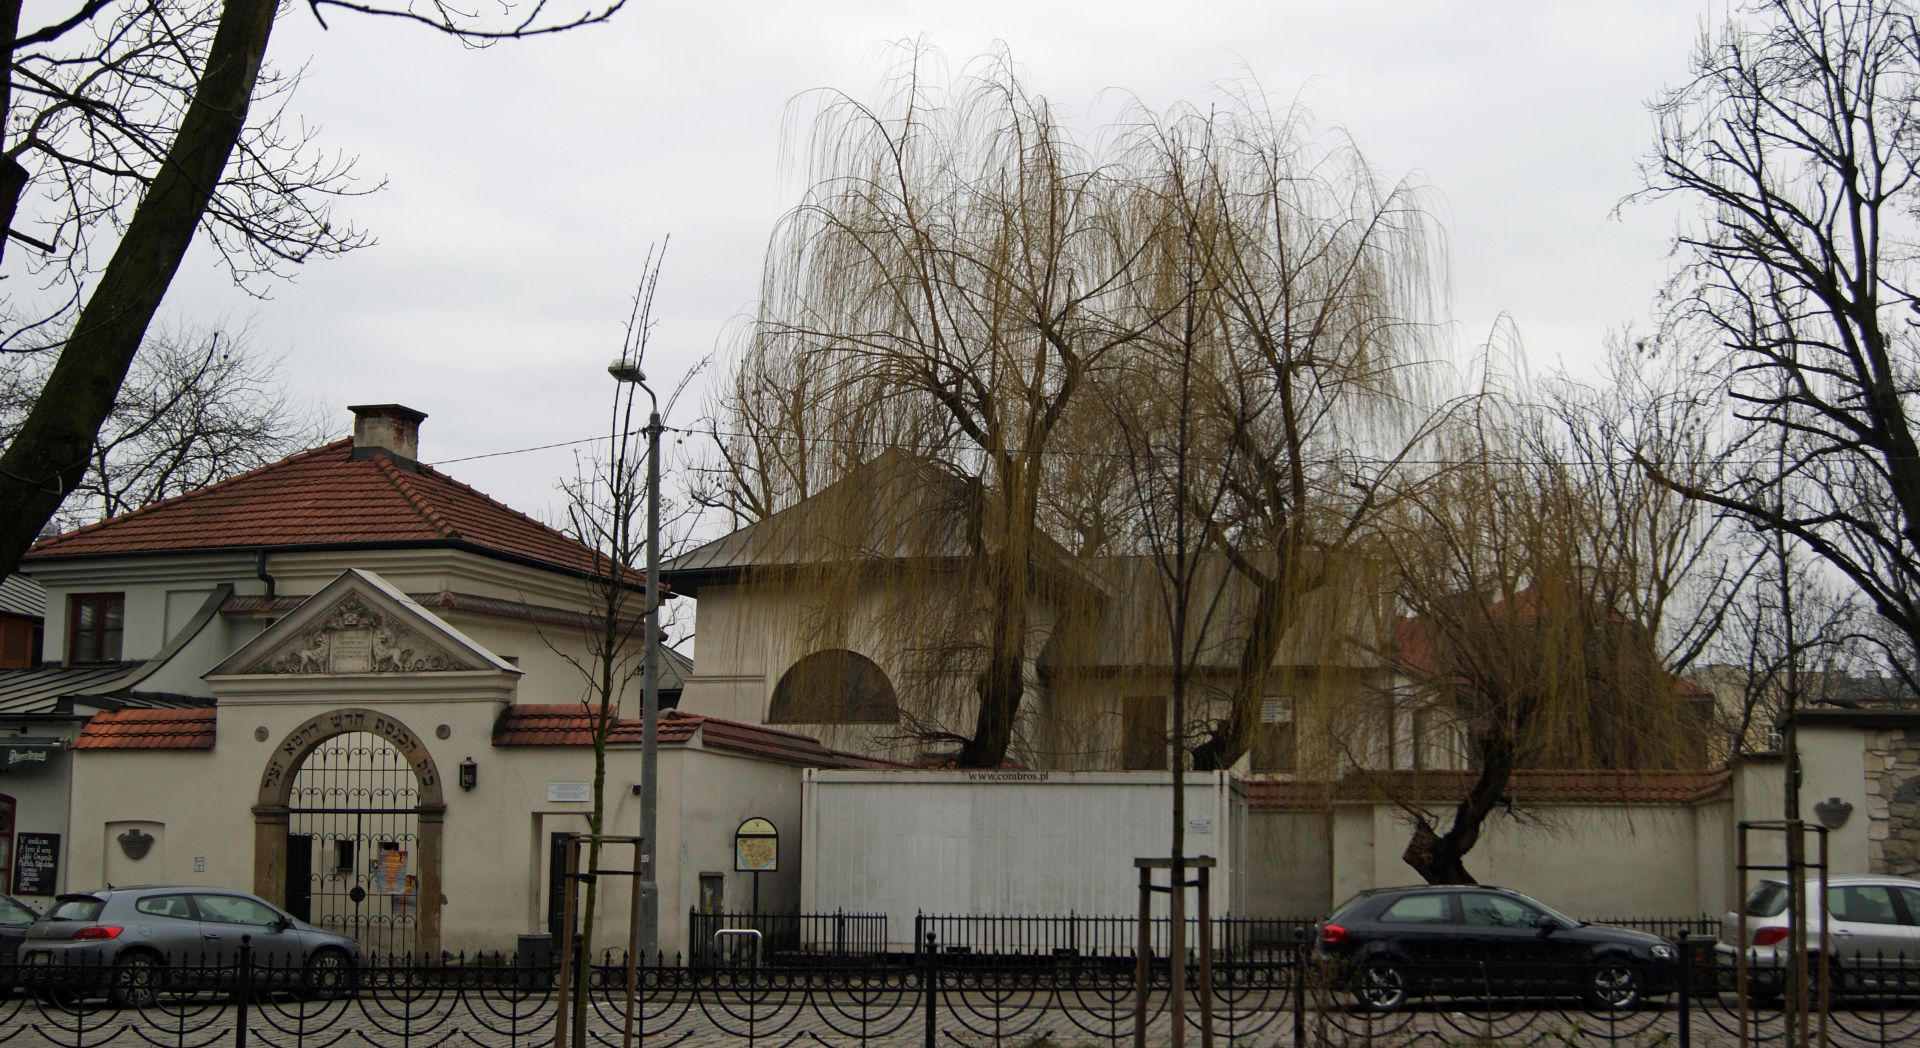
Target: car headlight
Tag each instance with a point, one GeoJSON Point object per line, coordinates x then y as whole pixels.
{"type": "Point", "coordinates": [1662, 952]}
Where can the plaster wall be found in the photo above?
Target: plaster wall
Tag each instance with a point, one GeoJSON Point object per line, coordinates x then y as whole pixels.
{"type": "Point", "coordinates": [1289, 867]}
{"type": "Point", "coordinates": [41, 798]}
{"type": "Point", "coordinates": [1594, 861]}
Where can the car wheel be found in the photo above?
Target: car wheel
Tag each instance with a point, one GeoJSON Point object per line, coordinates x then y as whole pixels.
{"type": "Point", "coordinates": [329, 974]}
{"type": "Point", "coordinates": [136, 980]}
{"type": "Point", "coordinates": [1614, 984]}
{"type": "Point", "coordinates": [1380, 986]}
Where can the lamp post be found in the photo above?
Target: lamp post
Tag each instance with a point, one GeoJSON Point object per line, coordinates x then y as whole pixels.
{"type": "Point", "coordinates": [626, 372]}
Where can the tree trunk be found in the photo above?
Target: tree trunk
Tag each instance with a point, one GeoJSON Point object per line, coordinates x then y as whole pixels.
{"type": "Point", "coordinates": [1441, 858]}
{"type": "Point", "coordinates": [48, 456]}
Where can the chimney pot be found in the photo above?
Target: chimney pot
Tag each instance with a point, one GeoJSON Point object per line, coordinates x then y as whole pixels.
{"type": "Point", "coordinates": [392, 430]}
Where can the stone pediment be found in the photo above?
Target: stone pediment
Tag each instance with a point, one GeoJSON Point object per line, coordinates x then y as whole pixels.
{"type": "Point", "coordinates": [358, 624]}
{"type": "Point", "coordinates": [355, 637]}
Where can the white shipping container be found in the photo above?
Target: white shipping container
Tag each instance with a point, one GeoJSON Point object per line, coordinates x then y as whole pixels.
{"type": "Point", "coordinates": [1009, 843]}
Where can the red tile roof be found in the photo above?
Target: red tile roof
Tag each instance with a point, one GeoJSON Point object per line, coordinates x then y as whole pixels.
{"type": "Point", "coordinates": [571, 724]}
{"type": "Point", "coordinates": [1526, 787]}
{"type": "Point", "coordinates": [148, 730]}
{"type": "Point", "coordinates": [326, 498]}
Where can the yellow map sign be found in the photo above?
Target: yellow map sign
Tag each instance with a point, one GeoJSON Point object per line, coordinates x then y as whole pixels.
{"type": "Point", "coordinates": [756, 847]}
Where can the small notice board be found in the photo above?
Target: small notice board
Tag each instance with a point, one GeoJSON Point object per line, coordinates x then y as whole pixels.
{"type": "Point", "coordinates": [36, 864]}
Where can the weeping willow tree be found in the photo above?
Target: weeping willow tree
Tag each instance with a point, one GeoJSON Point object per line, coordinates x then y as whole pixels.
{"type": "Point", "coordinates": [1317, 280]}
{"type": "Point", "coordinates": [1551, 593]}
{"type": "Point", "coordinates": [969, 287]}
{"type": "Point", "coordinates": [944, 289]}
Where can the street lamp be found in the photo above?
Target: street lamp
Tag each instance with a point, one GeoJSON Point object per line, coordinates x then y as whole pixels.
{"type": "Point", "coordinates": [628, 372]}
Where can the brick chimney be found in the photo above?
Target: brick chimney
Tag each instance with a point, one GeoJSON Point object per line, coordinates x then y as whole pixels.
{"type": "Point", "coordinates": [392, 430]}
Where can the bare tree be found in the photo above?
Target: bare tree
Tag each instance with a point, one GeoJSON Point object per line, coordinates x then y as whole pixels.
{"type": "Point", "coordinates": [1552, 594]}
{"type": "Point", "coordinates": [197, 407]}
{"type": "Point", "coordinates": [1797, 141]}
{"type": "Point", "coordinates": [145, 124]}
{"type": "Point", "coordinates": [606, 506]}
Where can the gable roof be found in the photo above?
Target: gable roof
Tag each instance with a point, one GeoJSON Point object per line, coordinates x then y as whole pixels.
{"type": "Point", "coordinates": [326, 498]}
{"type": "Point", "coordinates": [148, 730]}
{"type": "Point", "coordinates": [571, 724]}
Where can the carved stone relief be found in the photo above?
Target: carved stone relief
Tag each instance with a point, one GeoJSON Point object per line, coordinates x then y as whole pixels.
{"type": "Point", "coordinates": [356, 637]}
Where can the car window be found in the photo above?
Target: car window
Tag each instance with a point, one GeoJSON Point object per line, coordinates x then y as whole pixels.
{"type": "Point", "coordinates": [165, 906]}
{"type": "Point", "coordinates": [1482, 910]}
{"type": "Point", "coordinates": [14, 915]}
{"type": "Point", "coordinates": [1341, 910]}
{"type": "Point", "coordinates": [232, 909]}
{"type": "Point", "coordinates": [1862, 904]}
{"type": "Point", "coordinates": [1911, 896]}
{"type": "Point", "coordinates": [76, 908]}
{"type": "Point", "coordinates": [1418, 909]}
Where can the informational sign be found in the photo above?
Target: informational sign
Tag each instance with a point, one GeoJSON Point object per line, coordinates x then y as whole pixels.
{"type": "Point", "coordinates": [569, 792]}
{"type": "Point", "coordinates": [756, 847]}
{"type": "Point", "coordinates": [36, 864]}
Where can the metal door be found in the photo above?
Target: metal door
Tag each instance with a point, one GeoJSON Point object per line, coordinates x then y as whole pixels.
{"type": "Point", "coordinates": [358, 802]}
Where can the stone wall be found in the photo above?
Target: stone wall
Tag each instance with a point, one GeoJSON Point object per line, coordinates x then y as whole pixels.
{"type": "Point", "coordinates": [1893, 801]}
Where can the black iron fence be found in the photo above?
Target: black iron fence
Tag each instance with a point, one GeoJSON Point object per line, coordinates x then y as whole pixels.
{"type": "Point", "coordinates": [712, 938]}
{"type": "Point", "coordinates": [1020, 938]}
{"type": "Point", "coordinates": [1282, 998]}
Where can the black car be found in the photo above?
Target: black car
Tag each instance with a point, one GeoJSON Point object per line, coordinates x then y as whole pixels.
{"type": "Point", "coordinates": [1389, 945]}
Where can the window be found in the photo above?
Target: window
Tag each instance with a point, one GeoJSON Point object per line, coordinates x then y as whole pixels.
{"type": "Point", "coordinates": [1498, 911]}
{"type": "Point", "coordinates": [19, 644]}
{"type": "Point", "coordinates": [14, 915]}
{"type": "Point", "coordinates": [1143, 734]}
{"type": "Point", "coordinates": [76, 908]}
{"type": "Point", "coordinates": [834, 687]}
{"type": "Point", "coordinates": [1861, 904]}
{"type": "Point", "coordinates": [175, 906]}
{"type": "Point", "coordinates": [1273, 741]}
{"type": "Point", "coordinates": [233, 909]}
{"type": "Point", "coordinates": [1418, 909]}
{"type": "Point", "coordinates": [94, 623]}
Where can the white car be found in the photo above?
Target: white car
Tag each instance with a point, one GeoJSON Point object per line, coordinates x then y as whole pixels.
{"type": "Point", "coordinates": [1873, 932]}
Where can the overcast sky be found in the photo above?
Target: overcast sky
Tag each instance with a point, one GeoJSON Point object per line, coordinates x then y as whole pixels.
{"type": "Point", "coordinates": [526, 181]}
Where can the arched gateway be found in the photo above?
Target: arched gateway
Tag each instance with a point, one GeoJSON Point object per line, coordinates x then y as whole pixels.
{"type": "Point", "coordinates": [347, 831]}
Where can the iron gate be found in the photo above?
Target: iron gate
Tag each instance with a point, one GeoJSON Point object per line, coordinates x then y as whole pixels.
{"type": "Point", "coordinates": [353, 833]}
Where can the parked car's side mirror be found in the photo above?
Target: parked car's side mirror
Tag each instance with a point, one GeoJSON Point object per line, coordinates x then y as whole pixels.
{"type": "Point", "coordinates": [281, 924]}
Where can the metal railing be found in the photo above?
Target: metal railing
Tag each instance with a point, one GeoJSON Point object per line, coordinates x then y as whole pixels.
{"type": "Point", "coordinates": [1516, 996]}
{"type": "Point", "coordinates": [792, 937]}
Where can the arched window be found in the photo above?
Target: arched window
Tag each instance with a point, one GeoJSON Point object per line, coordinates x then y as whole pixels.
{"type": "Point", "coordinates": [834, 687]}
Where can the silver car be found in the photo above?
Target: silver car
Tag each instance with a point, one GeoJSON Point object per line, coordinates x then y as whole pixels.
{"type": "Point", "coordinates": [129, 937]}
{"type": "Point", "coordinates": [1873, 932]}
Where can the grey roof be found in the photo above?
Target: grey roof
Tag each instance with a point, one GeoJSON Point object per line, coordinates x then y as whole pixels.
{"type": "Point", "coordinates": [675, 668]}
{"type": "Point", "coordinates": [895, 506]}
{"type": "Point", "coordinates": [20, 595]}
{"type": "Point", "coordinates": [58, 689]}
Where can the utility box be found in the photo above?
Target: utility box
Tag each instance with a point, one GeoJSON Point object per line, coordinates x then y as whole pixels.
{"type": "Point", "coordinates": [1007, 843]}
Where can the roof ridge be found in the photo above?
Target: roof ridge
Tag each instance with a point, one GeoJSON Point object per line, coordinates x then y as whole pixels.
{"type": "Point", "coordinates": [398, 478]}
{"type": "Point", "coordinates": [152, 507]}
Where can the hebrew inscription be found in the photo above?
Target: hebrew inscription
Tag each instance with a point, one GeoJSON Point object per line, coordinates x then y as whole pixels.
{"type": "Point", "coordinates": [302, 740]}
